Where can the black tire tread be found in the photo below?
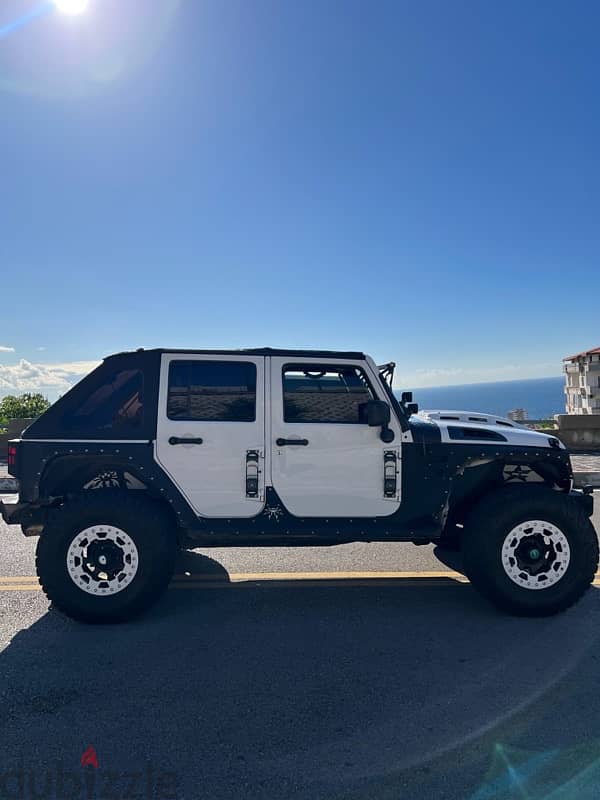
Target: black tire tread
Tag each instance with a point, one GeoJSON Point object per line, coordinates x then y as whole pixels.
{"type": "Point", "coordinates": [56, 586]}
{"type": "Point", "coordinates": [496, 510]}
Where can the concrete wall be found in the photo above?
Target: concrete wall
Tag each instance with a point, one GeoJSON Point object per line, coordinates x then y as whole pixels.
{"type": "Point", "coordinates": [14, 429]}
{"type": "Point", "coordinates": [579, 431]}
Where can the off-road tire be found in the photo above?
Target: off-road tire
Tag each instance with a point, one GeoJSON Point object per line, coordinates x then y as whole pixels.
{"type": "Point", "coordinates": [496, 515]}
{"type": "Point", "coordinates": [150, 527]}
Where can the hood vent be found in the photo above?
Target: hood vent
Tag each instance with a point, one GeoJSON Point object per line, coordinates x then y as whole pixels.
{"type": "Point", "coordinates": [475, 434]}
{"type": "Point", "coordinates": [470, 417]}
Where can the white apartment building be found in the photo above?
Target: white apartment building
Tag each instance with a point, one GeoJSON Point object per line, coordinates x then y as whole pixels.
{"type": "Point", "coordinates": [582, 389]}
{"type": "Point", "coordinates": [517, 414]}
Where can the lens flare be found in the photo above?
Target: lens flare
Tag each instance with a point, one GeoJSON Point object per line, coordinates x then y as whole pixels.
{"type": "Point", "coordinates": [123, 41]}
{"type": "Point", "coordinates": [71, 7]}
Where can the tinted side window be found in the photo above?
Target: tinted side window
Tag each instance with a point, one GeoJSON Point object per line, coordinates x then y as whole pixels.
{"type": "Point", "coordinates": [223, 391]}
{"type": "Point", "coordinates": [116, 404]}
{"type": "Point", "coordinates": [313, 393]}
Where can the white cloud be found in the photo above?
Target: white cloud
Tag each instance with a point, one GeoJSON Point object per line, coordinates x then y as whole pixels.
{"type": "Point", "coordinates": [28, 377]}
{"type": "Point", "coordinates": [40, 349]}
{"type": "Point", "coordinates": [4, 349]}
{"type": "Point", "coordinates": [439, 372]}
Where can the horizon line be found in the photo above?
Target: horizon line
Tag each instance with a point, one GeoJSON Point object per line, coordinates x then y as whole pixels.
{"type": "Point", "coordinates": [483, 383]}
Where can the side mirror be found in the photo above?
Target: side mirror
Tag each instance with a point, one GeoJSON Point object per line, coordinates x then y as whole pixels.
{"type": "Point", "coordinates": [378, 416]}
{"type": "Point", "coordinates": [406, 397]}
{"type": "Point", "coordinates": [412, 408]}
{"type": "Point", "coordinates": [378, 413]}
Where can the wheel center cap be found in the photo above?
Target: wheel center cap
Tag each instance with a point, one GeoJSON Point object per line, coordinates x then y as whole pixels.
{"type": "Point", "coordinates": [104, 559]}
{"type": "Point", "coordinates": [534, 554]}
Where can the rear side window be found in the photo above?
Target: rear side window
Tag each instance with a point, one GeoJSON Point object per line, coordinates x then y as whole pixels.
{"type": "Point", "coordinates": [314, 393]}
{"type": "Point", "coordinates": [115, 405]}
{"type": "Point", "coordinates": [212, 391]}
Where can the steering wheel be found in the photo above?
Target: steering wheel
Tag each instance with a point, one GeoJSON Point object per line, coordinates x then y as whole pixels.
{"type": "Point", "coordinates": [315, 375]}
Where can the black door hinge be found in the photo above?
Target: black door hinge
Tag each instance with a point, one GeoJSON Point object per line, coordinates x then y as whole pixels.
{"type": "Point", "coordinates": [390, 473]}
{"type": "Point", "coordinates": [252, 473]}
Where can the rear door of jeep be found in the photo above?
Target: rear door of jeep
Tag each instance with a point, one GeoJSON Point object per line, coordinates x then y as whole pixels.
{"type": "Point", "coordinates": [211, 431]}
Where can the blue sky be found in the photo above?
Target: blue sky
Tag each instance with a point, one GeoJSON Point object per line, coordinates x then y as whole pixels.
{"type": "Point", "coordinates": [418, 180]}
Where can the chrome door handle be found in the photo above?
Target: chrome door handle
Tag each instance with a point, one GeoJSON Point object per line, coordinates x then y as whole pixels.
{"type": "Point", "coordinates": [284, 442]}
{"type": "Point", "coordinates": [184, 440]}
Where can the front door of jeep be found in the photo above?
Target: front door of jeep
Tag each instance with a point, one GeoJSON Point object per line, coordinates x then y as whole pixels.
{"type": "Point", "coordinates": [326, 460]}
{"type": "Point", "coordinates": [211, 431]}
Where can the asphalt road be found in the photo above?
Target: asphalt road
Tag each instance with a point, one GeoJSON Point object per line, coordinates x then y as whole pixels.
{"type": "Point", "coordinates": [407, 688]}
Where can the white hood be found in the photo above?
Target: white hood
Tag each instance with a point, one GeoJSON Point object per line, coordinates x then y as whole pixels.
{"type": "Point", "coordinates": [472, 421]}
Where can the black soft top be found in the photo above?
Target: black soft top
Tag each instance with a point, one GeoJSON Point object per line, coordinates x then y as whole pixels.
{"type": "Point", "coordinates": [253, 351]}
{"type": "Point", "coordinates": [119, 399]}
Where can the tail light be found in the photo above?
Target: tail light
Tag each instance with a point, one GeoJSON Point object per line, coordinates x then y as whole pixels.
{"type": "Point", "coordinates": [12, 457]}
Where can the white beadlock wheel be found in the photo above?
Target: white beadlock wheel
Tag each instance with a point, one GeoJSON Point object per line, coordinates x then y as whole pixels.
{"type": "Point", "coordinates": [520, 540]}
{"type": "Point", "coordinates": [102, 560]}
{"type": "Point", "coordinates": [535, 554]}
{"type": "Point", "coordinates": [106, 556]}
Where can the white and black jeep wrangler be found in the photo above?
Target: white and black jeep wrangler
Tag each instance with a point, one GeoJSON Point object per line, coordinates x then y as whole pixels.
{"type": "Point", "coordinates": [158, 450]}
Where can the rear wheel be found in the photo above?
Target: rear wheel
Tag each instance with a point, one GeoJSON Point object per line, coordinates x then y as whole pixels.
{"type": "Point", "coordinates": [105, 556]}
{"type": "Point", "coordinates": [530, 550]}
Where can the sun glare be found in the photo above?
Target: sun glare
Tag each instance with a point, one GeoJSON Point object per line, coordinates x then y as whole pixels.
{"type": "Point", "coordinates": [71, 6]}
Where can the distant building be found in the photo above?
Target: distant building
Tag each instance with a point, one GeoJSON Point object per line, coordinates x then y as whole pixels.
{"type": "Point", "coordinates": [582, 375]}
{"type": "Point", "coordinates": [517, 414]}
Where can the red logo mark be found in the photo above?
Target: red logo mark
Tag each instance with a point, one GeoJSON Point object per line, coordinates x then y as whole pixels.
{"type": "Point", "coordinates": [89, 758]}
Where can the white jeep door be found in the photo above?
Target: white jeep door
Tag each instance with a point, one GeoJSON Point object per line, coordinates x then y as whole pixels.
{"type": "Point", "coordinates": [326, 461]}
{"type": "Point", "coordinates": [211, 431]}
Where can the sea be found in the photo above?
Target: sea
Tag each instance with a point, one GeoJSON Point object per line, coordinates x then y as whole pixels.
{"type": "Point", "coordinates": [540, 397]}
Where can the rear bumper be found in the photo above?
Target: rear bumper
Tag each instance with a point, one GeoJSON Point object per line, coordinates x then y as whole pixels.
{"type": "Point", "coordinates": [9, 484]}
{"type": "Point", "coordinates": [31, 518]}
{"type": "Point", "coordinates": [10, 512]}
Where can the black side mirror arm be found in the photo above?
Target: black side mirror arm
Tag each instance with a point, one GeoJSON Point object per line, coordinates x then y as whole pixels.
{"type": "Point", "coordinates": [378, 416]}
{"type": "Point", "coordinates": [387, 434]}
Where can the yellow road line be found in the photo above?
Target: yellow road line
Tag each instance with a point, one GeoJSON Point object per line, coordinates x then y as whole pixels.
{"type": "Point", "coordinates": [287, 576]}
{"type": "Point", "coordinates": [187, 581]}
{"type": "Point", "coordinates": [17, 587]}
{"type": "Point", "coordinates": [255, 576]}
{"type": "Point", "coordinates": [235, 577]}
{"type": "Point", "coordinates": [240, 577]}
{"type": "Point", "coordinates": [313, 584]}
{"type": "Point", "coordinates": [439, 579]}
{"type": "Point", "coordinates": [408, 582]}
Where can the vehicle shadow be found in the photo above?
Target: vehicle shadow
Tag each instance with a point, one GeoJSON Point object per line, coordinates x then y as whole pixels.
{"type": "Point", "coordinates": [451, 558]}
{"type": "Point", "coordinates": [192, 564]}
{"type": "Point", "coordinates": [315, 691]}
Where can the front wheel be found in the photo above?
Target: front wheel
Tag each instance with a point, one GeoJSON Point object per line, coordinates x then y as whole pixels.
{"type": "Point", "coordinates": [530, 550]}
{"type": "Point", "coordinates": [105, 556]}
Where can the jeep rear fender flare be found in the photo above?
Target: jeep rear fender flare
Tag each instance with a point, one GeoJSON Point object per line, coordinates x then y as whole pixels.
{"type": "Point", "coordinates": [66, 474]}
